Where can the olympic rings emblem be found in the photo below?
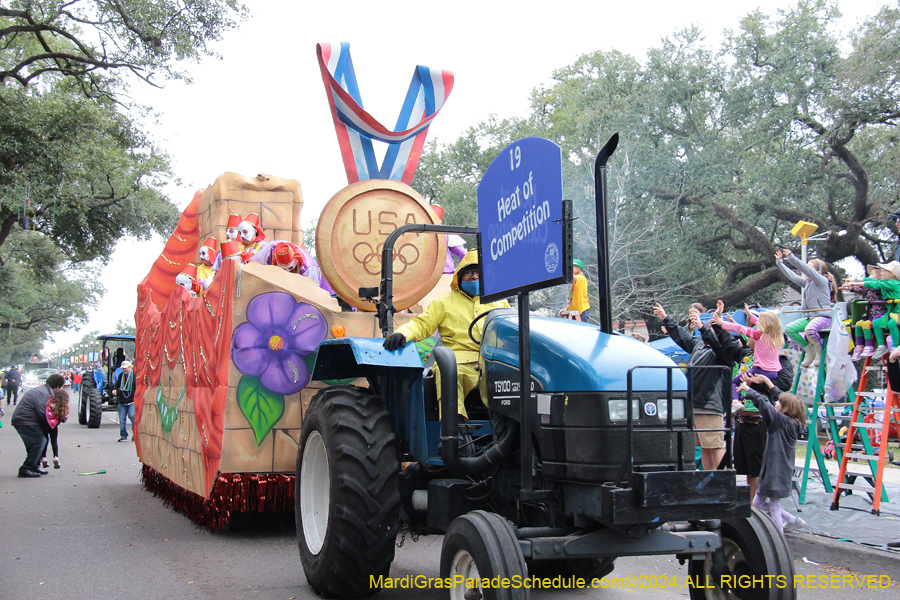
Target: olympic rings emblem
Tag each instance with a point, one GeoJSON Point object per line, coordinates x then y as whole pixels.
{"type": "Point", "coordinates": [401, 254]}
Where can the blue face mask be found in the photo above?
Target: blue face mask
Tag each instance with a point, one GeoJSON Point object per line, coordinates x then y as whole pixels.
{"type": "Point", "coordinates": [469, 287]}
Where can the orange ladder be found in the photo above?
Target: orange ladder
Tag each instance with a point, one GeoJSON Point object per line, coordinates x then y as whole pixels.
{"type": "Point", "coordinates": [876, 462]}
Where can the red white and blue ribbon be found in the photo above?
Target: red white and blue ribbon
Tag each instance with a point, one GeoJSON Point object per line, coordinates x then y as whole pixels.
{"type": "Point", "coordinates": [356, 128]}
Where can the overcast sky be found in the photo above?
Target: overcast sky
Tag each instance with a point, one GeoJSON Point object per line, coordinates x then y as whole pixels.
{"type": "Point", "coordinates": [262, 107]}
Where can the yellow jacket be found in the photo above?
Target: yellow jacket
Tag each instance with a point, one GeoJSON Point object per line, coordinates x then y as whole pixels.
{"type": "Point", "coordinates": [204, 272]}
{"type": "Point", "coordinates": [578, 297]}
{"type": "Point", "coordinates": [451, 315]}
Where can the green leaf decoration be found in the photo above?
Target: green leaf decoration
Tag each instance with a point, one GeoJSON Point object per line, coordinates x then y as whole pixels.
{"type": "Point", "coordinates": [168, 414]}
{"type": "Point", "coordinates": [261, 407]}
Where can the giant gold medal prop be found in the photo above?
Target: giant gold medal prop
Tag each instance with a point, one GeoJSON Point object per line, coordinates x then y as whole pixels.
{"type": "Point", "coordinates": [351, 233]}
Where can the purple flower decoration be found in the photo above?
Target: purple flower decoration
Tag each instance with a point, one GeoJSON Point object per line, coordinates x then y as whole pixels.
{"type": "Point", "coordinates": [271, 345]}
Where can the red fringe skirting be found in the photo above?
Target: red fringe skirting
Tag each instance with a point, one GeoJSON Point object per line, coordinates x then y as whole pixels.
{"type": "Point", "coordinates": [232, 493]}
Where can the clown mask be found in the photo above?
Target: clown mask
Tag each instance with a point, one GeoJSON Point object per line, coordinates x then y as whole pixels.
{"type": "Point", "coordinates": [231, 233]}
{"type": "Point", "coordinates": [290, 267]}
{"type": "Point", "coordinates": [246, 232]}
{"type": "Point", "coordinates": [206, 256]}
{"type": "Point", "coordinates": [187, 283]}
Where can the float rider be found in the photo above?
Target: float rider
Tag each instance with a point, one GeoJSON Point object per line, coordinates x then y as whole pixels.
{"type": "Point", "coordinates": [188, 280]}
{"type": "Point", "coordinates": [251, 236]}
{"type": "Point", "coordinates": [231, 228]}
{"type": "Point", "coordinates": [208, 252]}
{"type": "Point", "coordinates": [451, 314]}
{"type": "Point", "coordinates": [293, 259]}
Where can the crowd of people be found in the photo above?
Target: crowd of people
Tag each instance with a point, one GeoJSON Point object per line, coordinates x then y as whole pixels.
{"type": "Point", "coordinates": [768, 419]}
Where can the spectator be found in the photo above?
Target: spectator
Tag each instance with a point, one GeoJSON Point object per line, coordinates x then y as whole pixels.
{"type": "Point", "coordinates": [750, 432]}
{"type": "Point", "coordinates": [819, 291]}
{"type": "Point", "coordinates": [57, 413]}
{"type": "Point", "coordinates": [577, 305]}
{"type": "Point", "coordinates": [76, 382]}
{"type": "Point", "coordinates": [708, 386]}
{"type": "Point", "coordinates": [123, 392]}
{"type": "Point", "coordinates": [888, 284]}
{"type": "Point", "coordinates": [864, 342]}
{"type": "Point", "coordinates": [30, 421]}
{"type": "Point", "coordinates": [784, 422]}
{"type": "Point", "coordinates": [11, 381]}
{"type": "Point", "coordinates": [768, 340]}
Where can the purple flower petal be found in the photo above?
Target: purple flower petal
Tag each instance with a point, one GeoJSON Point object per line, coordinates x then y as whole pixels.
{"type": "Point", "coordinates": [271, 309]}
{"type": "Point", "coordinates": [251, 361]}
{"type": "Point", "coordinates": [285, 375]}
{"type": "Point", "coordinates": [248, 336]}
{"type": "Point", "coordinates": [306, 329]}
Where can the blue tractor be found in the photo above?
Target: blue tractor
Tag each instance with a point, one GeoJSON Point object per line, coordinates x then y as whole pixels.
{"type": "Point", "coordinates": [595, 463]}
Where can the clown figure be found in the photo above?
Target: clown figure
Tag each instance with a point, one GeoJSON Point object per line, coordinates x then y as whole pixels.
{"type": "Point", "coordinates": [208, 252]}
{"type": "Point", "coordinates": [231, 228]}
{"type": "Point", "coordinates": [251, 236]}
{"type": "Point", "coordinates": [293, 259]}
{"type": "Point", "coordinates": [188, 280]}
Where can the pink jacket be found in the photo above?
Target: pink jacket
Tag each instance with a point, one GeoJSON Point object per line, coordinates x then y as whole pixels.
{"type": "Point", "coordinates": [765, 355]}
{"type": "Point", "coordinates": [51, 420]}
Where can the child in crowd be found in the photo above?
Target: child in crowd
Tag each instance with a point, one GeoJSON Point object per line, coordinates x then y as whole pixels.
{"type": "Point", "coordinates": [57, 412]}
{"type": "Point", "coordinates": [766, 341]}
{"type": "Point", "coordinates": [819, 291]}
{"type": "Point", "coordinates": [865, 343]}
{"type": "Point", "coordinates": [889, 285]}
{"type": "Point", "coordinates": [784, 422]}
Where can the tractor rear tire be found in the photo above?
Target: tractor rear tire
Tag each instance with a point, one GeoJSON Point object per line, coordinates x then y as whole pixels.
{"type": "Point", "coordinates": [82, 411]}
{"type": "Point", "coordinates": [480, 545]}
{"type": "Point", "coordinates": [84, 402]}
{"type": "Point", "coordinates": [753, 547]}
{"type": "Point", "coordinates": [346, 498]}
{"type": "Point", "coordinates": [95, 405]}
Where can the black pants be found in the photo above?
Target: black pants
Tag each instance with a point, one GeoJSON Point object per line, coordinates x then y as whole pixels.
{"type": "Point", "coordinates": [34, 440]}
{"type": "Point", "coordinates": [12, 393]}
{"type": "Point", "coordinates": [749, 447]}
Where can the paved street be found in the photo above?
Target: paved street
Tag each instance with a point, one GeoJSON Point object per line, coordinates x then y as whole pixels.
{"type": "Point", "coordinates": [72, 537]}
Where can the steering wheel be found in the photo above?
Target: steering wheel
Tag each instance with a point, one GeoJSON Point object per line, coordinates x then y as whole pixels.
{"type": "Point", "coordinates": [478, 318]}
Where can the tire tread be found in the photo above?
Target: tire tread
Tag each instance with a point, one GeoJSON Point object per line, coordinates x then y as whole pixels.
{"type": "Point", "coordinates": [364, 519]}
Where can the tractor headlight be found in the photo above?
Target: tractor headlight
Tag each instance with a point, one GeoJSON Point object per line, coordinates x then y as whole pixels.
{"type": "Point", "coordinates": [617, 410]}
{"type": "Point", "coordinates": [677, 409]}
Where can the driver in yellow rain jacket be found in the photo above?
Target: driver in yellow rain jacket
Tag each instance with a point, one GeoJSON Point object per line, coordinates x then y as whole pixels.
{"type": "Point", "coordinates": [451, 314]}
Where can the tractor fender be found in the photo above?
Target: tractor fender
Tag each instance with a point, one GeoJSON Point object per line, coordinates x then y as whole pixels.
{"type": "Point", "coordinates": [361, 357]}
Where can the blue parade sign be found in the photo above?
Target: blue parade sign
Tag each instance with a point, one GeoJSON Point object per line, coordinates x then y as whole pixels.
{"type": "Point", "coordinates": [520, 219]}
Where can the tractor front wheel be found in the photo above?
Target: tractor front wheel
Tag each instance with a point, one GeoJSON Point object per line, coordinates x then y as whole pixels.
{"type": "Point", "coordinates": [477, 546]}
{"type": "Point", "coordinates": [346, 499]}
{"type": "Point", "coordinates": [754, 548]}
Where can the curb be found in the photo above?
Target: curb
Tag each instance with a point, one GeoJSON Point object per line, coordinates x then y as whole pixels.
{"type": "Point", "coordinates": [829, 551]}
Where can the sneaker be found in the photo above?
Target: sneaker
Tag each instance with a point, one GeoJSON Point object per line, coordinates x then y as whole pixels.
{"type": "Point", "coordinates": [880, 351]}
{"type": "Point", "coordinates": [796, 524]}
{"type": "Point", "coordinates": [857, 353]}
{"type": "Point", "coordinates": [55, 462]}
{"type": "Point", "coordinates": [44, 462]}
{"type": "Point", "coordinates": [122, 439]}
{"type": "Point", "coordinates": [867, 351]}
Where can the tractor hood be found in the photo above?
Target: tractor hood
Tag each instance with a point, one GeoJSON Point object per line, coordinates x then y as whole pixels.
{"type": "Point", "coordinates": [568, 356]}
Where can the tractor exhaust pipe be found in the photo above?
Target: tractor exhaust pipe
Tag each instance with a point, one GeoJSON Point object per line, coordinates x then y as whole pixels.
{"type": "Point", "coordinates": [474, 465]}
{"type": "Point", "coordinates": [603, 277]}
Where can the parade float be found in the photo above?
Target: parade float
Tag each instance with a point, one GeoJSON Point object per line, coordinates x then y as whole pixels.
{"type": "Point", "coordinates": [223, 378]}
